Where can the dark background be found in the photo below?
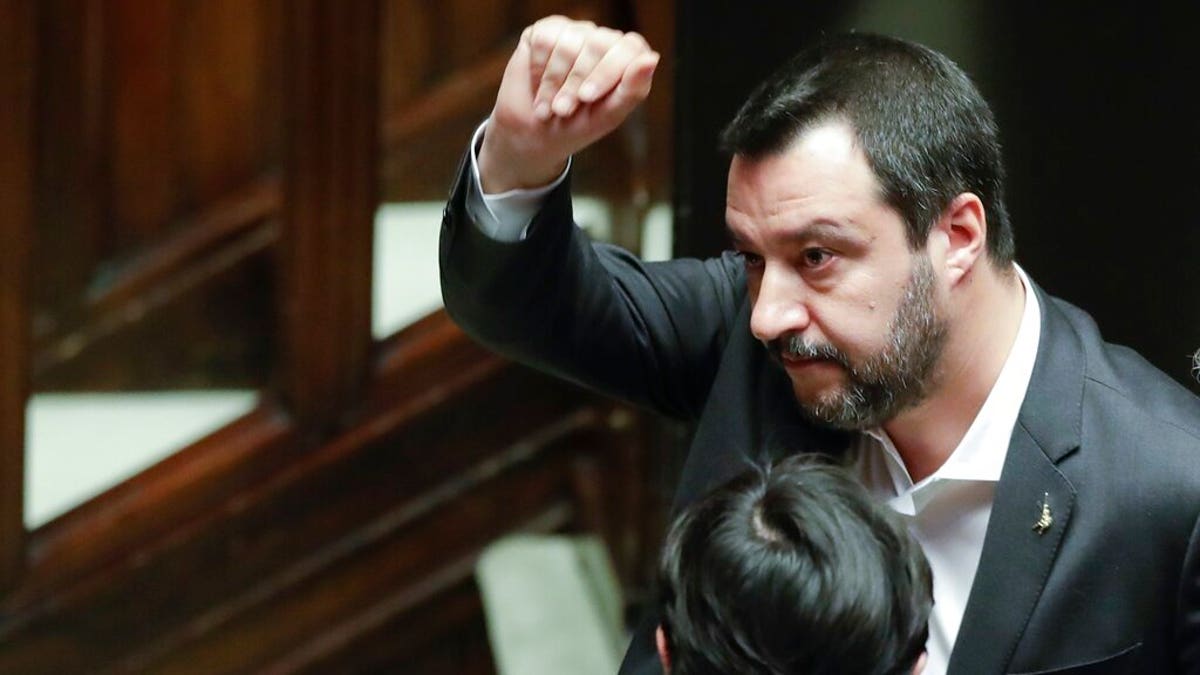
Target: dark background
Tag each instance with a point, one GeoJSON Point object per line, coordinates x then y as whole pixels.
{"type": "Point", "coordinates": [1098, 117]}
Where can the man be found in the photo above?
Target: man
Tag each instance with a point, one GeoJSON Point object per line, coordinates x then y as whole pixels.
{"type": "Point", "coordinates": [873, 312]}
{"type": "Point", "coordinates": [792, 569]}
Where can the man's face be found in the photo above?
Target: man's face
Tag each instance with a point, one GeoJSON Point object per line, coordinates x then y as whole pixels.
{"type": "Point", "coordinates": [838, 298]}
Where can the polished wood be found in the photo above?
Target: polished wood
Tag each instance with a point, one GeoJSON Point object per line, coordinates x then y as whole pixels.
{"type": "Point", "coordinates": [246, 560]}
{"type": "Point", "coordinates": [198, 236]}
{"type": "Point", "coordinates": [72, 167]}
{"type": "Point", "coordinates": [140, 62]}
{"type": "Point", "coordinates": [472, 87]}
{"type": "Point", "coordinates": [159, 114]}
{"type": "Point", "coordinates": [17, 78]}
{"type": "Point", "coordinates": [445, 636]}
{"type": "Point", "coordinates": [218, 254]}
{"type": "Point", "coordinates": [330, 173]}
{"type": "Point", "coordinates": [335, 527]}
{"type": "Point", "coordinates": [180, 495]}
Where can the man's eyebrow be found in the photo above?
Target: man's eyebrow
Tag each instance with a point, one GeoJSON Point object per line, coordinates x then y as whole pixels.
{"type": "Point", "coordinates": [826, 229]}
{"type": "Point", "coordinates": [818, 229]}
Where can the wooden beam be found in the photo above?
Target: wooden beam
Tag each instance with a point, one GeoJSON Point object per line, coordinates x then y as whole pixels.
{"type": "Point", "coordinates": [16, 230]}
{"type": "Point", "coordinates": [330, 176]}
{"type": "Point", "coordinates": [192, 238]}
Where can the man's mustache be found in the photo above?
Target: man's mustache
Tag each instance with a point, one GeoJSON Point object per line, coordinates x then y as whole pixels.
{"type": "Point", "coordinates": [797, 347]}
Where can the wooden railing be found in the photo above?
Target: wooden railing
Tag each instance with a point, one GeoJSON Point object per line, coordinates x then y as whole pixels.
{"type": "Point", "coordinates": [250, 552]}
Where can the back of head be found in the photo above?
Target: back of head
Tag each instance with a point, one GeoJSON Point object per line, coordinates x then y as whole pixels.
{"type": "Point", "coordinates": [793, 569]}
{"type": "Point", "coordinates": [924, 127]}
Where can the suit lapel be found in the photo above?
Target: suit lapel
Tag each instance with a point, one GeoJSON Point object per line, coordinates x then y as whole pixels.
{"type": "Point", "coordinates": [1016, 557]}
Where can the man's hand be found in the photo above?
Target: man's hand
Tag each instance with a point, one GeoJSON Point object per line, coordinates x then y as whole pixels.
{"type": "Point", "coordinates": [568, 84]}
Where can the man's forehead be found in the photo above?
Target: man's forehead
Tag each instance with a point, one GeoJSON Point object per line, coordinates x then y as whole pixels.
{"type": "Point", "coordinates": [834, 140]}
{"type": "Point", "coordinates": [824, 169]}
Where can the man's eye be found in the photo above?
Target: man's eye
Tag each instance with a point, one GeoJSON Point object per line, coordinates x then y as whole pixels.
{"type": "Point", "coordinates": [816, 257]}
{"type": "Point", "coordinates": [752, 260]}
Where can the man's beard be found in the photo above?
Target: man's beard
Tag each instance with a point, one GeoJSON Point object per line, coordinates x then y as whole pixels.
{"type": "Point", "coordinates": [897, 377]}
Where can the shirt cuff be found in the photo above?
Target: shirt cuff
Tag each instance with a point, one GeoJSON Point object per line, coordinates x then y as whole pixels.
{"type": "Point", "coordinates": [505, 216]}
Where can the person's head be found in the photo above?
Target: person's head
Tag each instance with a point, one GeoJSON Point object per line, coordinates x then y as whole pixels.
{"type": "Point", "coordinates": [792, 569]}
{"type": "Point", "coordinates": [866, 183]}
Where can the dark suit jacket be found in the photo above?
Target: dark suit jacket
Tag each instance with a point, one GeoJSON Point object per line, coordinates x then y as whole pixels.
{"type": "Point", "coordinates": [1112, 587]}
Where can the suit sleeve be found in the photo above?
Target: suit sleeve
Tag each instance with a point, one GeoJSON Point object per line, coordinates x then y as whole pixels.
{"type": "Point", "coordinates": [649, 333]}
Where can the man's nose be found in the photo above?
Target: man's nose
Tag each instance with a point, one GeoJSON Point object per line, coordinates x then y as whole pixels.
{"type": "Point", "coordinates": [779, 307]}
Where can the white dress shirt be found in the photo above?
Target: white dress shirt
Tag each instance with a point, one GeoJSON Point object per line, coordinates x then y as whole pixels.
{"type": "Point", "coordinates": [948, 511]}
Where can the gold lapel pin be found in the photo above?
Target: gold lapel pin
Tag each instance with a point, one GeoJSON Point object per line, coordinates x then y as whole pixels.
{"type": "Point", "coordinates": [1046, 520]}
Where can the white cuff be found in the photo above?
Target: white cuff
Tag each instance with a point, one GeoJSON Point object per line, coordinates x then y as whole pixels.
{"type": "Point", "coordinates": [505, 216]}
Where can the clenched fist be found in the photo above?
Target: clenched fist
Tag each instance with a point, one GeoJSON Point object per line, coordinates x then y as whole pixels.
{"type": "Point", "coordinates": [568, 84]}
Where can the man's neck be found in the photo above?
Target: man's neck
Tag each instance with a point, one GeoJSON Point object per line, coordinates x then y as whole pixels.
{"type": "Point", "coordinates": [984, 324]}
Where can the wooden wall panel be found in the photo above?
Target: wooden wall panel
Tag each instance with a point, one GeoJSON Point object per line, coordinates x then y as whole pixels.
{"type": "Point", "coordinates": [71, 183]}
{"type": "Point", "coordinates": [172, 109]}
{"type": "Point", "coordinates": [17, 78]}
{"type": "Point", "coordinates": [220, 90]}
{"type": "Point", "coordinates": [141, 143]}
{"type": "Point", "coordinates": [160, 113]}
{"type": "Point", "coordinates": [330, 176]}
{"type": "Point", "coordinates": [469, 29]}
{"type": "Point", "coordinates": [529, 11]}
{"type": "Point", "coordinates": [335, 528]}
{"type": "Point", "coordinates": [407, 52]}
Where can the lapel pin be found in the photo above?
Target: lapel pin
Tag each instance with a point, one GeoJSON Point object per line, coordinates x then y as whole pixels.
{"type": "Point", "coordinates": [1045, 520]}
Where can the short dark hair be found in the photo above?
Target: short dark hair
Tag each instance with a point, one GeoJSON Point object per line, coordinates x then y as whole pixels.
{"type": "Point", "coordinates": [793, 569]}
{"type": "Point", "coordinates": [927, 132]}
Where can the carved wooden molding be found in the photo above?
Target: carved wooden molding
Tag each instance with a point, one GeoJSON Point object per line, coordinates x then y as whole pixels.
{"type": "Point", "coordinates": [184, 493]}
{"type": "Point", "coordinates": [375, 519]}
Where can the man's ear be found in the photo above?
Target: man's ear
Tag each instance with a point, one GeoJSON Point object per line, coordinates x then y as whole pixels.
{"type": "Point", "coordinates": [664, 656]}
{"type": "Point", "coordinates": [920, 663]}
{"type": "Point", "coordinates": [963, 230]}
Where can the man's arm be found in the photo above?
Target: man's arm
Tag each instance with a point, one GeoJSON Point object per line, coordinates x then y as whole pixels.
{"type": "Point", "coordinates": [649, 333]}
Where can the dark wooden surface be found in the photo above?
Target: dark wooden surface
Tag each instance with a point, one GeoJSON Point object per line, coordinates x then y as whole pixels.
{"type": "Point", "coordinates": [246, 556]}
{"type": "Point", "coordinates": [330, 173]}
{"type": "Point", "coordinates": [160, 149]}
{"type": "Point", "coordinates": [158, 136]}
{"type": "Point", "coordinates": [201, 177]}
{"type": "Point", "coordinates": [17, 68]}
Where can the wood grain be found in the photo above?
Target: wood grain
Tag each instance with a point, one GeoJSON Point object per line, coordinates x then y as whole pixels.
{"type": "Point", "coordinates": [17, 69]}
